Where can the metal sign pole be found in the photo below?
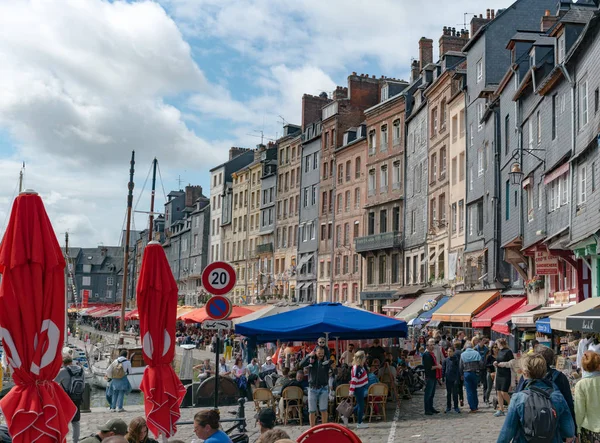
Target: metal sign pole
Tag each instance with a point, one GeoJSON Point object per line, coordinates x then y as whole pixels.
{"type": "Point", "coordinates": [217, 344]}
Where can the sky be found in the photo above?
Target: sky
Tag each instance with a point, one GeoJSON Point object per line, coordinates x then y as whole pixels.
{"type": "Point", "coordinates": [85, 82]}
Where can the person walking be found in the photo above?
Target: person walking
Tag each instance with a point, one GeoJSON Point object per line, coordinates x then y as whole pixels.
{"type": "Point", "coordinates": [587, 399]}
{"type": "Point", "coordinates": [560, 380]}
{"type": "Point", "coordinates": [358, 387]}
{"type": "Point", "coordinates": [461, 392]}
{"type": "Point", "coordinates": [227, 347]}
{"type": "Point", "coordinates": [483, 348]}
{"type": "Point", "coordinates": [503, 375]}
{"type": "Point", "coordinates": [451, 374]}
{"type": "Point", "coordinates": [318, 384]}
{"type": "Point", "coordinates": [72, 380]}
{"type": "Point", "coordinates": [431, 366]}
{"type": "Point", "coordinates": [525, 421]}
{"type": "Point", "coordinates": [119, 385]}
{"type": "Point", "coordinates": [490, 372]}
{"type": "Point", "coordinates": [470, 364]}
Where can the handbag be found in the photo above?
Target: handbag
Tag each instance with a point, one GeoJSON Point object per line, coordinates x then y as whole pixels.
{"type": "Point", "coordinates": [345, 408]}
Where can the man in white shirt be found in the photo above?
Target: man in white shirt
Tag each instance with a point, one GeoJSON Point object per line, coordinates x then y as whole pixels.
{"type": "Point", "coordinates": [268, 365]}
{"type": "Point", "coordinates": [224, 370]}
{"type": "Point", "coordinates": [348, 355]}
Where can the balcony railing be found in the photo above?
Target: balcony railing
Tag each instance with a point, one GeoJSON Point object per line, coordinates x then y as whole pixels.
{"type": "Point", "coordinates": [264, 248]}
{"type": "Point", "coordinates": [387, 240]}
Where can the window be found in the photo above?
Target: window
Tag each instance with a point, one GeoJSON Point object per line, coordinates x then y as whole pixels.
{"type": "Point", "coordinates": [471, 135]}
{"type": "Point", "coordinates": [539, 187]}
{"type": "Point", "coordinates": [539, 128]}
{"type": "Point", "coordinates": [461, 166]}
{"type": "Point", "coordinates": [454, 128]}
{"type": "Point", "coordinates": [506, 134]}
{"type": "Point", "coordinates": [384, 179]}
{"type": "Point", "coordinates": [371, 223]}
{"type": "Point", "coordinates": [434, 121]}
{"type": "Point", "coordinates": [461, 123]}
{"type": "Point", "coordinates": [339, 203]}
{"type": "Point", "coordinates": [340, 174]}
{"type": "Point", "coordinates": [357, 168]}
{"type": "Point", "coordinates": [345, 265]}
{"type": "Point", "coordinates": [86, 281]}
{"type": "Point", "coordinates": [370, 270]}
{"type": "Point", "coordinates": [326, 140]}
{"type": "Point", "coordinates": [583, 100]}
{"type": "Point", "coordinates": [384, 138]}
{"type": "Point", "coordinates": [337, 265]}
{"type": "Point", "coordinates": [433, 163]}
{"type": "Point", "coordinates": [432, 212]}
{"type": "Point", "coordinates": [314, 195]}
{"type": "Point", "coordinates": [346, 233]}
{"type": "Point", "coordinates": [348, 168]}
{"type": "Point", "coordinates": [480, 109]}
{"type": "Point", "coordinates": [564, 185]}
{"type": "Point", "coordinates": [325, 171]}
{"type": "Point", "coordinates": [357, 198]}
{"type": "Point", "coordinates": [443, 162]}
{"type": "Point", "coordinates": [507, 198]}
{"type": "Point", "coordinates": [554, 117]}
{"type": "Point", "coordinates": [395, 268]}
{"type": "Point", "coordinates": [372, 182]}
{"type": "Point", "coordinates": [347, 200]}
{"type": "Point", "coordinates": [306, 163]}
{"type": "Point", "coordinates": [324, 203]}
{"type": "Point", "coordinates": [442, 208]}
{"type": "Point", "coordinates": [397, 132]}
{"type": "Point", "coordinates": [382, 269]}
{"type": "Point", "coordinates": [372, 142]}
{"type": "Point", "coordinates": [479, 71]}
{"type": "Point", "coordinates": [454, 171]}
{"type": "Point", "coordinates": [561, 48]}
{"type": "Point", "coordinates": [596, 98]}
{"type": "Point", "coordinates": [582, 192]}
{"type": "Point", "coordinates": [413, 221]}
{"type": "Point", "coordinates": [480, 163]}
{"type": "Point", "coordinates": [315, 160]}
{"type": "Point", "coordinates": [396, 175]}
{"type": "Point", "coordinates": [470, 178]}
{"type": "Point", "coordinates": [306, 197]}
{"type": "Point", "coordinates": [454, 218]}
{"type": "Point", "coordinates": [383, 221]}
{"type": "Point", "coordinates": [461, 216]}
{"type": "Point", "coordinates": [396, 219]}
{"type": "Point", "coordinates": [443, 115]}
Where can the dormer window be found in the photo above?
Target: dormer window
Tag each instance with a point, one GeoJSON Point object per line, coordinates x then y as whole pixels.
{"type": "Point", "coordinates": [385, 92]}
{"type": "Point", "coordinates": [561, 48]}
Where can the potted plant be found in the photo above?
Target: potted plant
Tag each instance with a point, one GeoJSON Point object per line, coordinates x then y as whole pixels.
{"type": "Point", "coordinates": [535, 283]}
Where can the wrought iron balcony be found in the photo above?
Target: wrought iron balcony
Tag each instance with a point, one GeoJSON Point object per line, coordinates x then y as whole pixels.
{"type": "Point", "coordinates": [387, 240]}
{"type": "Point", "coordinates": [264, 248]}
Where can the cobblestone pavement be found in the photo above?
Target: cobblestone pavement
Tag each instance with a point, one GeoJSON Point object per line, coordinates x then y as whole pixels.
{"type": "Point", "coordinates": [406, 423]}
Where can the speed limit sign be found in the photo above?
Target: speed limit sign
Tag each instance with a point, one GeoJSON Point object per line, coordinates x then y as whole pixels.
{"type": "Point", "coordinates": [218, 278]}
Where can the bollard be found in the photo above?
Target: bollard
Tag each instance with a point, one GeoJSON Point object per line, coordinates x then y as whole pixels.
{"type": "Point", "coordinates": [87, 399]}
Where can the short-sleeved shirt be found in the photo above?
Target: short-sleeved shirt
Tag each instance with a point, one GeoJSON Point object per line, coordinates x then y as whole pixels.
{"type": "Point", "coordinates": [218, 437]}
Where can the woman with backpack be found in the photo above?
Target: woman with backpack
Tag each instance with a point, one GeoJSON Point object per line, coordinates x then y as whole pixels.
{"type": "Point", "coordinates": [538, 412]}
{"type": "Point", "coordinates": [119, 385]}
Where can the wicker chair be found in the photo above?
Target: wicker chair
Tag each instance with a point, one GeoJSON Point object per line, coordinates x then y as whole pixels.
{"type": "Point", "coordinates": [342, 393]}
{"type": "Point", "coordinates": [377, 396]}
{"type": "Point", "coordinates": [263, 398]}
{"type": "Point", "coordinates": [292, 403]}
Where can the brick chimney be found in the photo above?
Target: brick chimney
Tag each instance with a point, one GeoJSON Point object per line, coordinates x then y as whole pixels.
{"type": "Point", "coordinates": [425, 52]}
{"type": "Point", "coordinates": [192, 193]}
{"type": "Point", "coordinates": [363, 91]}
{"type": "Point", "coordinates": [478, 22]}
{"type": "Point", "coordinates": [452, 40]}
{"type": "Point", "coordinates": [548, 21]}
{"type": "Point", "coordinates": [311, 108]}
{"type": "Point", "coordinates": [414, 70]}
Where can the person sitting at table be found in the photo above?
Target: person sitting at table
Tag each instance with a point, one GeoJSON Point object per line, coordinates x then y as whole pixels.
{"type": "Point", "coordinates": [205, 369]}
{"type": "Point", "coordinates": [224, 369]}
{"type": "Point", "coordinates": [253, 368]}
{"type": "Point", "coordinates": [282, 381]}
{"type": "Point", "coordinates": [268, 366]}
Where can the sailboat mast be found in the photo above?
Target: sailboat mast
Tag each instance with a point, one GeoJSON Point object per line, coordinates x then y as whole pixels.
{"type": "Point", "coordinates": [154, 164]}
{"type": "Point", "coordinates": [21, 178]}
{"type": "Point", "coordinates": [127, 235]}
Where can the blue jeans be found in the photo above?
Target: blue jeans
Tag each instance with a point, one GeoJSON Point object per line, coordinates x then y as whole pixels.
{"type": "Point", "coordinates": [471, 380]}
{"type": "Point", "coordinates": [359, 394]}
{"type": "Point", "coordinates": [430, 385]}
{"type": "Point", "coordinates": [318, 398]}
{"type": "Point", "coordinates": [117, 399]}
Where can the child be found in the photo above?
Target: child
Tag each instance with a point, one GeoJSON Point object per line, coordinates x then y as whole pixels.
{"type": "Point", "coordinates": [450, 372]}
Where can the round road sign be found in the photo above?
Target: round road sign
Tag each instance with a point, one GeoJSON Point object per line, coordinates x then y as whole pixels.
{"type": "Point", "coordinates": [218, 278]}
{"type": "Point", "coordinates": [218, 307]}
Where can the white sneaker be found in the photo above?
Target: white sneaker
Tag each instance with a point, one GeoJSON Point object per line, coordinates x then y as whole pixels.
{"type": "Point", "coordinates": [362, 426]}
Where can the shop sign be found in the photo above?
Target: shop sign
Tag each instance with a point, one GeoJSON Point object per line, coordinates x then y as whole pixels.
{"type": "Point", "coordinates": [561, 298]}
{"type": "Point", "coordinates": [587, 325]}
{"type": "Point", "coordinates": [545, 264]}
{"type": "Point", "coordinates": [383, 295]}
{"type": "Point", "coordinates": [544, 328]}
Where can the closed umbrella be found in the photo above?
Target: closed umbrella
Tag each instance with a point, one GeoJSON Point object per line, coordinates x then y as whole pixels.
{"type": "Point", "coordinates": [32, 317]}
{"type": "Point", "coordinates": [157, 309]}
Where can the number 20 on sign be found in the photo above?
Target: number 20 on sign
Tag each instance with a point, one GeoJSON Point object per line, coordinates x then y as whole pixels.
{"type": "Point", "coordinates": [218, 278]}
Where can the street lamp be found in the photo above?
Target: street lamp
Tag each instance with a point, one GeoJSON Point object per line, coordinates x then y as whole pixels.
{"type": "Point", "coordinates": [516, 174]}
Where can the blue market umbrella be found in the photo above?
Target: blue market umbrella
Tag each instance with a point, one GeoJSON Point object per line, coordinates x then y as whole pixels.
{"type": "Point", "coordinates": [314, 321]}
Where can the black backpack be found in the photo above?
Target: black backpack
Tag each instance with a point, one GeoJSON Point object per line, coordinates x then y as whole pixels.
{"type": "Point", "coordinates": [77, 383]}
{"type": "Point", "coordinates": [539, 419]}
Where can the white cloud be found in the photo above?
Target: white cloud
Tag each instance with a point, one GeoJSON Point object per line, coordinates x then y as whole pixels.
{"type": "Point", "coordinates": [334, 34]}
{"type": "Point", "coordinates": [83, 84]}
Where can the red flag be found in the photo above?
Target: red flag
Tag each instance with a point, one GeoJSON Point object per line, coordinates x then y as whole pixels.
{"type": "Point", "coordinates": [32, 317]}
{"type": "Point", "coordinates": [157, 309]}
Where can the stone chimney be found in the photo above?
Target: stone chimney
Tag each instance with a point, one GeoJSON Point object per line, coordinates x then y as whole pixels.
{"type": "Point", "coordinates": [452, 40]}
{"type": "Point", "coordinates": [311, 108]}
{"type": "Point", "coordinates": [478, 22]}
{"type": "Point", "coordinates": [548, 21]}
{"type": "Point", "coordinates": [425, 52]}
{"type": "Point", "coordinates": [235, 152]}
{"type": "Point", "coordinates": [192, 193]}
{"type": "Point", "coordinates": [414, 71]}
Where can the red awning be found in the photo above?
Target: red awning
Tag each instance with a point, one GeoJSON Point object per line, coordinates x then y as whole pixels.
{"type": "Point", "coordinates": [199, 315]}
{"type": "Point", "coordinates": [501, 324]}
{"type": "Point", "coordinates": [498, 310]}
{"type": "Point", "coordinates": [133, 315]}
{"type": "Point", "coordinates": [400, 304]}
{"type": "Point", "coordinates": [103, 312]}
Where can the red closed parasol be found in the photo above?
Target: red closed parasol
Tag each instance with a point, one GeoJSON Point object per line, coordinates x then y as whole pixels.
{"type": "Point", "coordinates": [157, 308]}
{"type": "Point", "coordinates": [32, 317]}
